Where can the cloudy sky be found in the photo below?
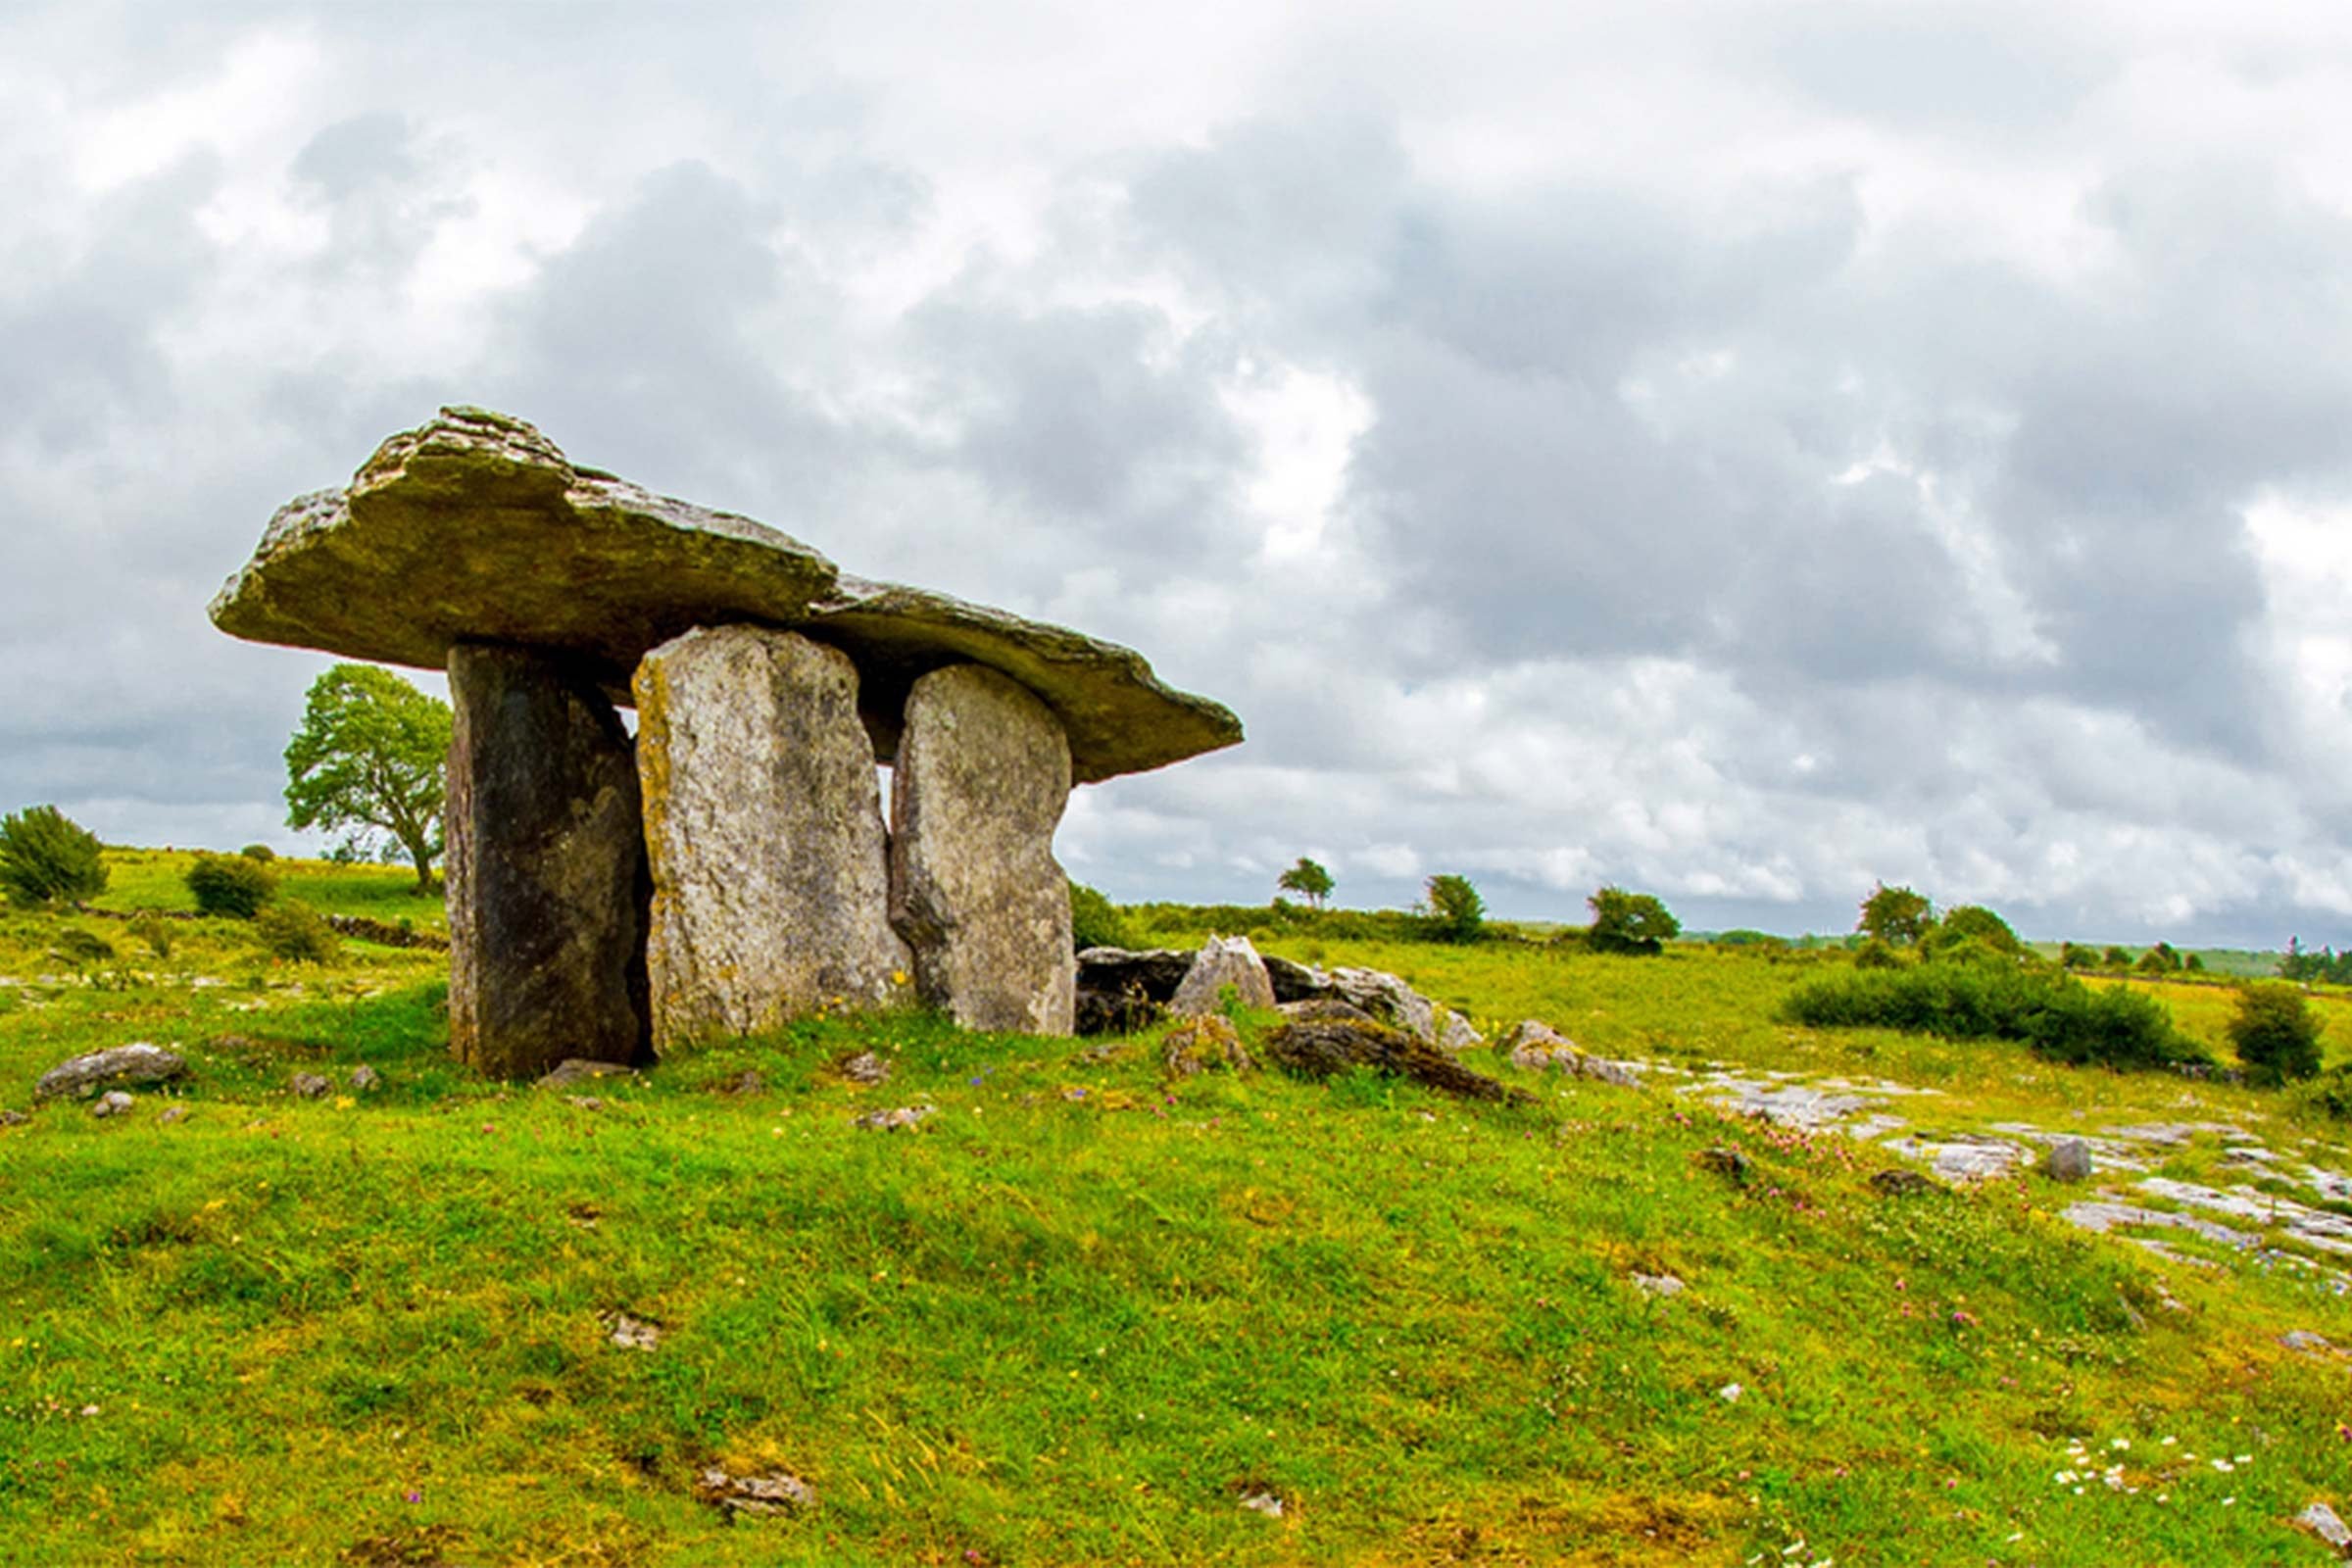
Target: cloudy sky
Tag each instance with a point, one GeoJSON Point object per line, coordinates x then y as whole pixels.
{"type": "Point", "coordinates": [1735, 451]}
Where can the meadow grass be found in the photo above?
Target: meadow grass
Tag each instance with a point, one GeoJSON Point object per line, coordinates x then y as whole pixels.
{"type": "Point", "coordinates": [1079, 1314]}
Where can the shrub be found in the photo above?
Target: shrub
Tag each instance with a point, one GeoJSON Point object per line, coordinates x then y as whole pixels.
{"type": "Point", "coordinates": [154, 930]}
{"type": "Point", "coordinates": [230, 885]}
{"type": "Point", "coordinates": [2074, 955]}
{"type": "Point", "coordinates": [1456, 912]}
{"type": "Point", "coordinates": [81, 949]}
{"type": "Point", "coordinates": [46, 857]}
{"type": "Point", "coordinates": [1630, 922]}
{"type": "Point", "coordinates": [2329, 1094]}
{"type": "Point", "coordinates": [2275, 1032]}
{"type": "Point", "coordinates": [2115, 959]}
{"type": "Point", "coordinates": [1095, 922]}
{"type": "Point", "coordinates": [259, 851]}
{"type": "Point", "coordinates": [1971, 922]}
{"type": "Point", "coordinates": [2058, 1015]}
{"type": "Point", "coordinates": [1876, 954]}
{"type": "Point", "coordinates": [2152, 962]}
{"type": "Point", "coordinates": [294, 931]}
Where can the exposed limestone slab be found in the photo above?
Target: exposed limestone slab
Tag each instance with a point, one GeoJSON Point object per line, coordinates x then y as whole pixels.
{"type": "Point", "coordinates": [763, 826]}
{"type": "Point", "coordinates": [476, 527]}
{"type": "Point", "coordinates": [981, 779]}
{"type": "Point", "coordinates": [548, 886]}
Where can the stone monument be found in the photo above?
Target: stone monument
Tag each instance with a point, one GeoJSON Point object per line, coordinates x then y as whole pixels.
{"type": "Point", "coordinates": [729, 867]}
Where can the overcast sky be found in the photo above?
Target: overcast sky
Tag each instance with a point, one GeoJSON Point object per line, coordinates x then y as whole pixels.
{"type": "Point", "coordinates": [1738, 452]}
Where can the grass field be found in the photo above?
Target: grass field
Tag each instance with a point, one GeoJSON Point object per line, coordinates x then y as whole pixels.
{"type": "Point", "coordinates": [1079, 1315]}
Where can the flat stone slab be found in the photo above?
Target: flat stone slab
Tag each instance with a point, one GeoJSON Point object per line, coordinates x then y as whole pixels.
{"type": "Point", "coordinates": [476, 527]}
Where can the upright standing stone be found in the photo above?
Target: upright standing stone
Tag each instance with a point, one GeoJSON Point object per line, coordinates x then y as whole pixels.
{"type": "Point", "coordinates": [763, 826]}
{"type": "Point", "coordinates": [546, 874]}
{"type": "Point", "coordinates": [983, 774]}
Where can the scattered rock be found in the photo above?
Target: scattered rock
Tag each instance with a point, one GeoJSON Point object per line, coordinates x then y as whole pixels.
{"type": "Point", "coordinates": [365, 1079]}
{"type": "Point", "coordinates": [1725, 1161]}
{"type": "Point", "coordinates": [1730, 1392]}
{"type": "Point", "coordinates": [1457, 1033]}
{"type": "Point", "coordinates": [1658, 1284]}
{"type": "Point", "coordinates": [1223, 961]}
{"type": "Point", "coordinates": [1320, 1048]}
{"type": "Point", "coordinates": [1898, 1182]}
{"type": "Point", "coordinates": [2068, 1161]}
{"type": "Point", "coordinates": [2323, 1522]}
{"type": "Point", "coordinates": [113, 1102]}
{"type": "Point", "coordinates": [1265, 1502]}
{"type": "Point", "coordinates": [632, 1332]}
{"type": "Point", "coordinates": [747, 1082]}
{"type": "Point", "coordinates": [1203, 1045]}
{"type": "Point", "coordinates": [584, 1102]}
{"type": "Point", "coordinates": [579, 1070]}
{"type": "Point", "coordinates": [309, 1086]}
{"type": "Point", "coordinates": [887, 1121]}
{"type": "Point", "coordinates": [1387, 998]}
{"type": "Point", "coordinates": [12, 1118]}
{"type": "Point", "coordinates": [1536, 1047]}
{"type": "Point", "coordinates": [172, 1113]}
{"type": "Point", "coordinates": [778, 1493]}
{"type": "Point", "coordinates": [863, 1069]}
{"type": "Point", "coordinates": [2305, 1339]}
{"type": "Point", "coordinates": [135, 1063]}
{"type": "Point", "coordinates": [981, 779]}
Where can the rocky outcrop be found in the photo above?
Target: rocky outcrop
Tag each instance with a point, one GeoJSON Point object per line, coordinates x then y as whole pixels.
{"type": "Point", "coordinates": [1223, 961]}
{"type": "Point", "coordinates": [764, 828]}
{"type": "Point", "coordinates": [983, 774]}
{"type": "Point", "coordinates": [548, 883]}
{"type": "Point", "coordinates": [136, 1063]}
{"type": "Point", "coordinates": [1203, 1045]}
{"type": "Point", "coordinates": [1536, 1047]}
{"type": "Point", "coordinates": [1318, 1049]}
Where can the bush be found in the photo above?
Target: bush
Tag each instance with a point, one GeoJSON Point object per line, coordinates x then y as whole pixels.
{"type": "Point", "coordinates": [1456, 912]}
{"type": "Point", "coordinates": [154, 930]}
{"type": "Point", "coordinates": [81, 949]}
{"type": "Point", "coordinates": [1970, 922]}
{"type": "Point", "coordinates": [2074, 955]}
{"type": "Point", "coordinates": [2056, 1014]}
{"type": "Point", "coordinates": [46, 857]}
{"type": "Point", "coordinates": [2275, 1032]}
{"type": "Point", "coordinates": [230, 885]}
{"type": "Point", "coordinates": [1095, 922]}
{"type": "Point", "coordinates": [2328, 1095]}
{"type": "Point", "coordinates": [1876, 954]}
{"type": "Point", "coordinates": [296, 932]}
{"type": "Point", "coordinates": [1630, 922]}
{"type": "Point", "coordinates": [259, 851]}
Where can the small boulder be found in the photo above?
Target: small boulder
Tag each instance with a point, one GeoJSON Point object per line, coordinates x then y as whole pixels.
{"type": "Point", "coordinates": [1897, 1182]}
{"type": "Point", "coordinates": [891, 1122]}
{"type": "Point", "coordinates": [172, 1113]}
{"type": "Point", "coordinates": [136, 1063]}
{"type": "Point", "coordinates": [1457, 1033]}
{"type": "Point", "coordinates": [12, 1118]}
{"type": "Point", "coordinates": [2323, 1522]}
{"type": "Point", "coordinates": [1658, 1284]}
{"type": "Point", "coordinates": [632, 1332]}
{"type": "Point", "coordinates": [364, 1079]}
{"type": "Point", "coordinates": [2305, 1339]}
{"type": "Point", "coordinates": [863, 1069]}
{"type": "Point", "coordinates": [1223, 961]}
{"type": "Point", "coordinates": [309, 1086]}
{"type": "Point", "coordinates": [1725, 1161]}
{"type": "Point", "coordinates": [2069, 1160]}
{"type": "Point", "coordinates": [1535, 1046]}
{"type": "Point", "coordinates": [579, 1070]}
{"type": "Point", "coordinates": [1203, 1045]}
{"type": "Point", "coordinates": [778, 1493]}
{"type": "Point", "coordinates": [113, 1102]}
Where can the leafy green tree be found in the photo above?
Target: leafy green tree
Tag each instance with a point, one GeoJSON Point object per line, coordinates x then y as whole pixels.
{"type": "Point", "coordinates": [1969, 924]}
{"type": "Point", "coordinates": [1456, 912]}
{"type": "Point", "coordinates": [1308, 880]}
{"type": "Point", "coordinates": [47, 857]}
{"type": "Point", "coordinates": [2115, 959]}
{"type": "Point", "coordinates": [1630, 922]}
{"type": "Point", "coordinates": [2275, 1032]}
{"type": "Point", "coordinates": [371, 759]}
{"type": "Point", "coordinates": [2074, 955]}
{"type": "Point", "coordinates": [1896, 917]}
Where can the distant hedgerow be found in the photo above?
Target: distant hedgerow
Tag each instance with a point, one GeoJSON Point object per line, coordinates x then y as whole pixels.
{"type": "Point", "coordinates": [2054, 1014]}
{"type": "Point", "coordinates": [1095, 922]}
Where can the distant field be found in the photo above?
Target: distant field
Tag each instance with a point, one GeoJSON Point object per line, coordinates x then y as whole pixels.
{"type": "Point", "coordinates": [1081, 1313]}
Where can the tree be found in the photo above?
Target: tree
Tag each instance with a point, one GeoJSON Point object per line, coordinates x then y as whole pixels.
{"type": "Point", "coordinates": [1456, 914]}
{"type": "Point", "coordinates": [1896, 917]}
{"type": "Point", "coordinates": [1969, 924]}
{"type": "Point", "coordinates": [2275, 1032]}
{"type": "Point", "coordinates": [1630, 922]}
{"type": "Point", "coordinates": [46, 857]}
{"type": "Point", "coordinates": [371, 759]}
{"type": "Point", "coordinates": [1308, 880]}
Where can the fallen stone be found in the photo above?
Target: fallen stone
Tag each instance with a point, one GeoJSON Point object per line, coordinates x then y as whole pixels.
{"type": "Point", "coordinates": [1221, 962]}
{"type": "Point", "coordinates": [1319, 1049]}
{"type": "Point", "coordinates": [577, 1070]}
{"type": "Point", "coordinates": [1534, 1046]}
{"type": "Point", "coordinates": [1901, 1183]}
{"type": "Point", "coordinates": [1725, 1161]}
{"type": "Point", "coordinates": [309, 1086]}
{"type": "Point", "coordinates": [2323, 1522]}
{"type": "Point", "coordinates": [1325, 1009]}
{"type": "Point", "coordinates": [763, 826]}
{"type": "Point", "coordinates": [1265, 1502]}
{"type": "Point", "coordinates": [1389, 999]}
{"type": "Point", "coordinates": [632, 1332]}
{"type": "Point", "coordinates": [136, 1063]}
{"type": "Point", "coordinates": [2305, 1339]}
{"type": "Point", "coordinates": [476, 527]}
{"type": "Point", "coordinates": [778, 1493]}
{"type": "Point", "coordinates": [172, 1113]}
{"type": "Point", "coordinates": [365, 1079]}
{"type": "Point", "coordinates": [1203, 1045]}
{"type": "Point", "coordinates": [12, 1118]}
{"type": "Point", "coordinates": [2068, 1161]}
{"type": "Point", "coordinates": [547, 882]}
{"type": "Point", "coordinates": [891, 1122]}
{"type": "Point", "coordinates": [113, 1102]}
{"type": "Point", "coordinates": [863, 1069]}
{"type": "Point", "coordinates": [982, 775]}
{"type": "Point", "coordinates": [1661, 1285]}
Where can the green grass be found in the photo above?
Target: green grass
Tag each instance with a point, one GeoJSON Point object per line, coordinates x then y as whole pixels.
{"type": "Point", "coordinates": [1078, 1313]}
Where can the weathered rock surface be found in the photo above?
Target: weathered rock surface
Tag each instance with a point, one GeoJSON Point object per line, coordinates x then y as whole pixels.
{"type": "Point", "coordinates": [476, 527]}
{"type": "Point", "coordinates": [897, 1118]}
{"type": "Point", "coordinates": [1319, 1049]}
{"type": "Point", "coordinates": [1120, 991]}
{"type": "Point", "coordinates": [1536, 1047]}
{"type": "Point", "coordinates": [365, 1079]}
{"type": "Point", "coordinates": [548, 883]}
{"type": "Point", "coordinates": [763, 827]}
{"type": "Point", "coordinates": [2068, 1161]}
{"type": "Point", "coordinates": [12, 1118]}
{"type": "Point", "coordinates": [2323, 1522]}
{"type": "Point", "coordinates": [136, 1063]}
{"type": "Point", "coordinates": [1658, 1284]}
{"type": "Point", "coordinates": [1203, 1045]}
{"type": "Point", "coordinates": [113, 1102]}
{"type": "Point", "coordinates": [982, 775]}
{"type": "Point", "coordinates": [579, 1070]}
{"type": "Point", "coordinates": [309, 1086]}
{"type": "Point", "coordinates": [779, 1493]}
{"type": "Point", "coordinates": [1325, 1009]}
{"type": "Point", "coordinates": [863, 1067]}
{"type": "Point", "coordinates": [1223, 961]}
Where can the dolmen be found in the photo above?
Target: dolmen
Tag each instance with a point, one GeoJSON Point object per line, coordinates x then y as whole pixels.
{"type": "Point", "coordinates": [726, 868]}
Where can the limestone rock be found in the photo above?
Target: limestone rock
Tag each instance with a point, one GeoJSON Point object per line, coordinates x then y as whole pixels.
{"type": "Point", "coordinates": [136, 1063]}
{"type": "Point", "coordinates": [1383, 996]}
{"type": "Point", "coordinates": [763, 826]}
{"type": "Point", "coordinates": [365, 1079]}
{"type": "Point", "coordinates": [548, 883]}
{"type": "Point", "coordinates": [778, 1493]}
{"type": "Point", "coordinates": [896, 1119]}
{"type": "Point", "coordinates": [309, 1086]}
{"type": "Point", "coordinates": [865, 1068]}
{"type": "Point", "coordinates": [579, 1070]}
{"type": "Point", "coordinates": [172, 1114]}
{"type": "Point", "coordinates": [1457, 1033]}
{"type": "Point", "coordinates": [1661, 1285]}
{"type": "Point", "coordinates": [1319, 1049]}
{"type": "Point", "coordinates": [1223, 961]}
{"type": "Point", "coordinates": [12, 1118]}
{"type": "Point", "coordinates": [2068, 1161]}
{"type": "Point", "coordinates": [1325, 1009]}
{"type": "Point", "coordinates": [113, 1102]}
{"type": "Point", "coordinates": [2323, 1522]}
{"type": "Point", "coordinates": [1535, 1046]}
{"type": "Point", "coordinates": [1203, 1045]}
{"type": "Point", "coordinates": [476, 527]}
{"type": "Point", "coordinates": [631, 1332]}
{"type": "Point", "coordinates": [1121, 992]}
{"type": "Point", "coordinates": [982, 775]}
